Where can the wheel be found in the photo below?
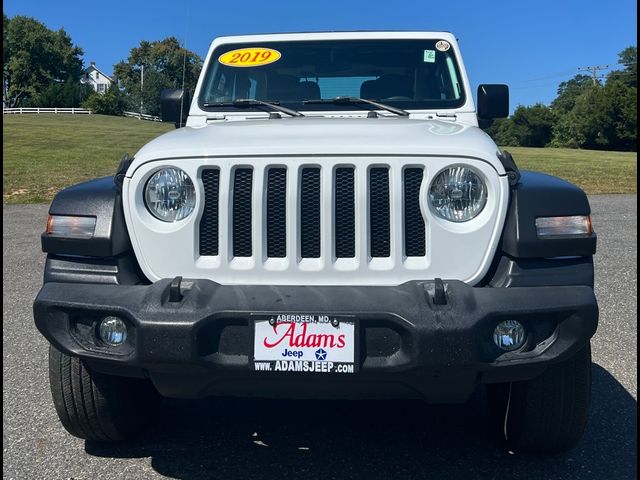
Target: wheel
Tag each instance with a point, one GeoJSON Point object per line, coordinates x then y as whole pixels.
{"type": "Point", "coordinates": [99, 407]}
{"type": "Point", "coordinates": [548, 413]}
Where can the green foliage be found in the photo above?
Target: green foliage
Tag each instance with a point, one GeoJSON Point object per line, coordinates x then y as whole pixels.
{"type": "Point", "coordinates": [603, 118]}
{"type": "Point", "coordinates": [111, 102]}
{"type": "Point", "coordinates": [629, 58]}
{"type": "Point", "coordinates": [588, 124]}
{"type": "Point", "coordinates": [163, 65]}
{"type": "Point", "coordinates": [527, 127]}
{"type": "Point", "coordinates": [569, 91]}
{"type": "Point", "coordinates": [65, 95]}
{"type": "Point", "coordinates": [583, 115]}
{"type": "Point", "coordinates": [35, 57]}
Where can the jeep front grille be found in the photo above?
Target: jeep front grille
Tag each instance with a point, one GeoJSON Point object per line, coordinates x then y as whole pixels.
{"type": "Point", "coordinates": [326, 203]}
{"type": "Point", "coordinates": [314, 220]}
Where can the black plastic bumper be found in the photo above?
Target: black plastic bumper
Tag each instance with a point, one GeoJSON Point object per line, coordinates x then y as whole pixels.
{"type": "Point", "coordinates": [409, 346]}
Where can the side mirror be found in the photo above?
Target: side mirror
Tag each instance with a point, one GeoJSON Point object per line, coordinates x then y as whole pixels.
{"type": "Point", "coordinates": [173, 102]}
{"type": "Point", "coordinates": [493, 101]}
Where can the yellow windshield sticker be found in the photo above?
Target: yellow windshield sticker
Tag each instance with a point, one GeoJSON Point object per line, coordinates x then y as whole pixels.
{"type": "Point", "coordinates": [249, 57]}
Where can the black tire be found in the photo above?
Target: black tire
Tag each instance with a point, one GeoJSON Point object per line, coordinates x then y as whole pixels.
{"type": "Point", "coordinates": [99, 407]}
{"type": "Point", "coordinates": [549, 413]}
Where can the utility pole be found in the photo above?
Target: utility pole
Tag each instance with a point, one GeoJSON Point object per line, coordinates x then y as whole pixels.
{"type": "Point", "coordinates": [141, 87]}
{"type": "Point", "coordinates": [594, 72]}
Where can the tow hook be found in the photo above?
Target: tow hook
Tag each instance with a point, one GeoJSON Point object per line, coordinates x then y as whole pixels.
{"type": "Point", "coordinates": [175, 294]}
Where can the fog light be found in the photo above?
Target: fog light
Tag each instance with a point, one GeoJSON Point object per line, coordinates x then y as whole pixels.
{"type": "Point", "coordinates": [509, 335]}
{"type": "Point", "coordinates": [113, 331]}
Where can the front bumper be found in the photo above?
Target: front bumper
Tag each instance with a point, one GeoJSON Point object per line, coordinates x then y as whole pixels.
{"type": "Point", "coordinates": [409, 346]}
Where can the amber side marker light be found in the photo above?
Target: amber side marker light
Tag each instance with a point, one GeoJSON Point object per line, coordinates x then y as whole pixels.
{"type": "Point", "coordinates": [570, 226]}
{"type": "Point", "coordinates": [70, 227]}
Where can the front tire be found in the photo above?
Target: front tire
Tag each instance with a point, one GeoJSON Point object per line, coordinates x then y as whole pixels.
{"type": "Point", "coordinates": [548, 413]}
{"type": "Point", "coordinates": [95, 406]}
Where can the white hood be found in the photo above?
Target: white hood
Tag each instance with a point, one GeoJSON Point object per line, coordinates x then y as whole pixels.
{"type": "Point", "coordinates": [303, 136]}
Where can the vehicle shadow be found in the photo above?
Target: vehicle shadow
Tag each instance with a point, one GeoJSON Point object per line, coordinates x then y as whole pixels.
{"type": "Point", "coordinates": [256, 439]}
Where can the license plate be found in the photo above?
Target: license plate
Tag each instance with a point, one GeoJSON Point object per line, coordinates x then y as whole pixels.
{"type": "Point", "coordinates": [304, 343]}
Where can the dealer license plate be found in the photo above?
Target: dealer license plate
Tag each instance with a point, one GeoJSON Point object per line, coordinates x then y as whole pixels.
{"type": "Point", "coordinates": [305, 343]}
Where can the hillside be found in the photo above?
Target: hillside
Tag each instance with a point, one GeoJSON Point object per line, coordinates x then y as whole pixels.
{"type": "Point", "coordinates": [45, 153]}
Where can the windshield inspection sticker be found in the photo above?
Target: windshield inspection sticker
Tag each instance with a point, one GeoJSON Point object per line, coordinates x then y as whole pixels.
{"type": "Point", "coordinates": [249, 57]}
{"type": "Point", "coordinates": [429, 56]}
{"type": "Point", "coordinates": [443, 45]}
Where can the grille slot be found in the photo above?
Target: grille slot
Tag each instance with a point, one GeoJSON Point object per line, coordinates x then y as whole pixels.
{"type": "Point", "coordinates": [310, 213]}
{"type": "Point", "coordinates": [344, 208]}
{"type": "Point", "coordinates": [277, 213]}
{"type": "Point", "coordinates": [414, 230]}
{"type": "Point", "coordinates": [209, 220]}
{"type": "Point", "coordinates": [379, 217]}
{"type": "Point", "coordinates": [242, 186]}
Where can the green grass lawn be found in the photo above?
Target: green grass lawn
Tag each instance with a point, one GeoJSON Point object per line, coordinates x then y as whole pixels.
{"type": "Point", "coordinates": [45, 153]}
{"type": "Point", "coordinates": [594, 171]}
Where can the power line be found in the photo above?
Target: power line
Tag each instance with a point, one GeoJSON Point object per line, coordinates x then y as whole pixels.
{"type": "Point", "coordinates": [594, 72]}
{"type": "Point", "coordinates": [555, 75]}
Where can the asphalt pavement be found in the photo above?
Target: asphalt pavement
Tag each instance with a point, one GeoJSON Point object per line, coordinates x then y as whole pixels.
{"type": "Point", "coordinates": [256, 439]}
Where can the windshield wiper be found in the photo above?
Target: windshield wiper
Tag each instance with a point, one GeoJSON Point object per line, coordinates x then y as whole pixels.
{"type": "Point", "coordinates": [247, 102]}
{"type": "Point", "coordinates": [352, 100]}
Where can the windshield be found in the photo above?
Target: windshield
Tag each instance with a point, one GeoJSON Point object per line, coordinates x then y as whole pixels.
{"type": "Point", "coordinates": [409, 74]}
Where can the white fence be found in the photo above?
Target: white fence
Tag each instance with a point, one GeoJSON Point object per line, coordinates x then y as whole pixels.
{"type": "Point", "coordinates": [21, 110]}
{"type": "Point", "coordinates": [142, 116]}
{"type": "Point", "coordinates": [73, 111]}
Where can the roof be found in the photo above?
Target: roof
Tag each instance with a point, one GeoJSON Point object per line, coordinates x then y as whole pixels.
{"type": "Point", "coordinates": [93, 65]}
{"type": "Point", "coordinates": [337, 35]}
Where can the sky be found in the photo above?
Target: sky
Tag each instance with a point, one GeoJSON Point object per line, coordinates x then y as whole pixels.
{"type": "Point", "coordinates": [530, 45]}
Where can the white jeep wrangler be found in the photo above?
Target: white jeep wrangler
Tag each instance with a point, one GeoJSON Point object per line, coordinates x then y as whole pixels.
{"type": "Point", "coordinates": [331, 222]}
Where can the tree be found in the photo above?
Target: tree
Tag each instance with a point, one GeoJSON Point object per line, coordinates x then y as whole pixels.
{"type": "Point", "coordinates": [622, 99]}
{"type": "Point", "coordinates": [111, 102]}
{"type": "Point", "coordinates": [569, 91]}
{"type": "Point", "coordinates": [629, 75]}
{"type": "Point", "coordinates": [583, 115]}
{"type": "Point", "coordinates": [162, 62]}
{"type": "Point", "coordinates": [35, 57]}
{"type": "Point", "coordinates": [603, 116]}
{"type": "Point", "coordinates": [527, 127]}
{"type": "Point", "coordinates": [535, 125]}
{"type": "Point", "coordinates": [66, 95]}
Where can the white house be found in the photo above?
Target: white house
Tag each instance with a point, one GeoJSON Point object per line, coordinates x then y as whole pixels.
{"type": "Point", "coordinates": [95, 77]}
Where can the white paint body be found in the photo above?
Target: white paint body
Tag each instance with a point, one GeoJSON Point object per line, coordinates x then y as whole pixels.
{"type": "Point", "coordinates": [227, 140]}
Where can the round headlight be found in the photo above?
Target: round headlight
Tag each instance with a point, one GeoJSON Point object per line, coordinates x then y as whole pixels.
{"type": "Point", "coordinates": [170, 195]}
{"type": "Point", "coordinates": [458, 194]}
